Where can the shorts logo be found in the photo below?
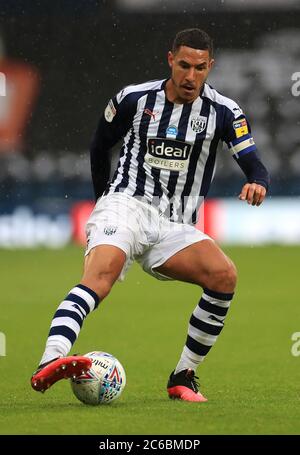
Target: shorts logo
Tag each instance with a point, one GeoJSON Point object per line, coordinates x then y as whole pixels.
{"type": "Point", "coordinates": [110, 230]}
{"type": "Point", "coordinates": [110, 111]}
{"type": "Point", "coordinates": [168, 154]}
{"type": "Point", "coordinates": [198, 124]}
{"type": "Point", "coordinates": [240, 127]}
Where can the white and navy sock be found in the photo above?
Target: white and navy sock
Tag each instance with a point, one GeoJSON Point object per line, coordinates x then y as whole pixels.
{"type": "Point", "coordinates": [68, 320]}
{"type": "Point", "coordinates": [206, 324]}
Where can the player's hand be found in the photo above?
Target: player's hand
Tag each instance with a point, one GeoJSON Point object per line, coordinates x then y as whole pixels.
{"type": "Point", "coordinates": [253, 193]}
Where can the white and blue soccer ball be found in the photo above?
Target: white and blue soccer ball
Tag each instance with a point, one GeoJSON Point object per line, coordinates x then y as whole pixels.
{"type": "Point", "coordinates": [103, 382]}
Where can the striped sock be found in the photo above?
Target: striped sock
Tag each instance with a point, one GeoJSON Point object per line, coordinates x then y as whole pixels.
{"type": "Point", "coordinates": [68, 320]}
{"type": "Point", "coordinates": [205, 325]}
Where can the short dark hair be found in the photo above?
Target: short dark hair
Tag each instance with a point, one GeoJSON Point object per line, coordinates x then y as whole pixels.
{"type": "Point", "coordinates": [195, 38]}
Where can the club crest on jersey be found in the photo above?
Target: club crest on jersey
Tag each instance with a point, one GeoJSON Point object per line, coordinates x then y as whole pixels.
{"type": "Point", "coordinates": [198, 124]}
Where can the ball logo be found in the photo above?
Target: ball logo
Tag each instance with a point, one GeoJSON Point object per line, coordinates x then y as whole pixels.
{"type": "Point", "coordinates": [88, 376]}
{"type": "Point", "coordinates": [198, 124]}
{"type": "Point", "coordinates": [115, 376]}
{"type": "Point", "coordinates": [100, 364]}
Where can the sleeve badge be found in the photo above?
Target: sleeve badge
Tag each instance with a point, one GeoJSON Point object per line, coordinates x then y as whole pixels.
{"type": "Point", "coordinates": [240, 127]}
{"type": "Point", "coordinates": [110, 111]}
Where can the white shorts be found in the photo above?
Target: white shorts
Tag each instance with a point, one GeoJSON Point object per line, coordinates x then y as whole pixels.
{"type": "Point", "coordinates": [139, 230]}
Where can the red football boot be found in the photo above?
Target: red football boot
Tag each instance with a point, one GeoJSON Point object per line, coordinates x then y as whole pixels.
{"type": "Point", "coordinates": [61, 368]}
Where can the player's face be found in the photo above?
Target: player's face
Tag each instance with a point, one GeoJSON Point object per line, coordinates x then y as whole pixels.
{"type": "Point", "coordinates": [190, 68]}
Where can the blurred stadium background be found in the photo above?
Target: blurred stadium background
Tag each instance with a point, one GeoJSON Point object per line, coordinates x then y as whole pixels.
{"type": "Point", "coordinates": [63, 61]}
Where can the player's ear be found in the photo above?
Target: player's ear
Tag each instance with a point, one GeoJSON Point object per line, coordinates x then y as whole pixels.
{"type": "Point", "coordinates": [211, 63]}
{"type": "Point", "coordinates": [170, 59]}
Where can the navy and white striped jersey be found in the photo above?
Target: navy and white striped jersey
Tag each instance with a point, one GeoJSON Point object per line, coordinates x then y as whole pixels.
{"type": "Point", "coordinates": [169, 150]}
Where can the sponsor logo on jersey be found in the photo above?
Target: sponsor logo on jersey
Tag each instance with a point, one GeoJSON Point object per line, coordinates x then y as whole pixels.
{"type": "Point", "coordinates": [172, 130]}
{"type": "Point", "coordinates": [110, 230]}
{"type": "Point", "coordinates": [168, 154]}
{"type": "Point", "coordinates": [240, 127]}
{"type": "Point", "coordinates": [110, 111]}
{"type": "Point", "coordinates": [198, 124]}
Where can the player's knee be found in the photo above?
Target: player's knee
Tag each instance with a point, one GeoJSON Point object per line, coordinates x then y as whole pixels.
{"type": "Point", "coordinates": [228, 276]}
{"type": "Point", "coordinates": [231, 275]}
{"type": "Point", "coordinates": [224, 278]}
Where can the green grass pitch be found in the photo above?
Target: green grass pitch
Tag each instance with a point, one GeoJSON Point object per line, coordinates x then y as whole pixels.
{"type": "Point", "coordinates": [250, 376]}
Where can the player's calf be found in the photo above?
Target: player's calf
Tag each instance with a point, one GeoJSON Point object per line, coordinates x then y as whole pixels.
{"type": "Point", "coordinates": [205, 326]}
{"type": "Point", "coordinates": [68, 320]}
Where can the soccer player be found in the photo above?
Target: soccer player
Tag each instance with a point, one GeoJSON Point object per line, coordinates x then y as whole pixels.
{"type": "Point", "coordinates": [147, 208]}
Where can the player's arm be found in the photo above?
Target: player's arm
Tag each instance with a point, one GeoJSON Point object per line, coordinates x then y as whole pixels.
{"type": "Point", "coordinates": [112, 126]}
{"type": "Point", "coordinates": [254, 192]}
{"type": "Point", "coordinates": [243, 149]}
